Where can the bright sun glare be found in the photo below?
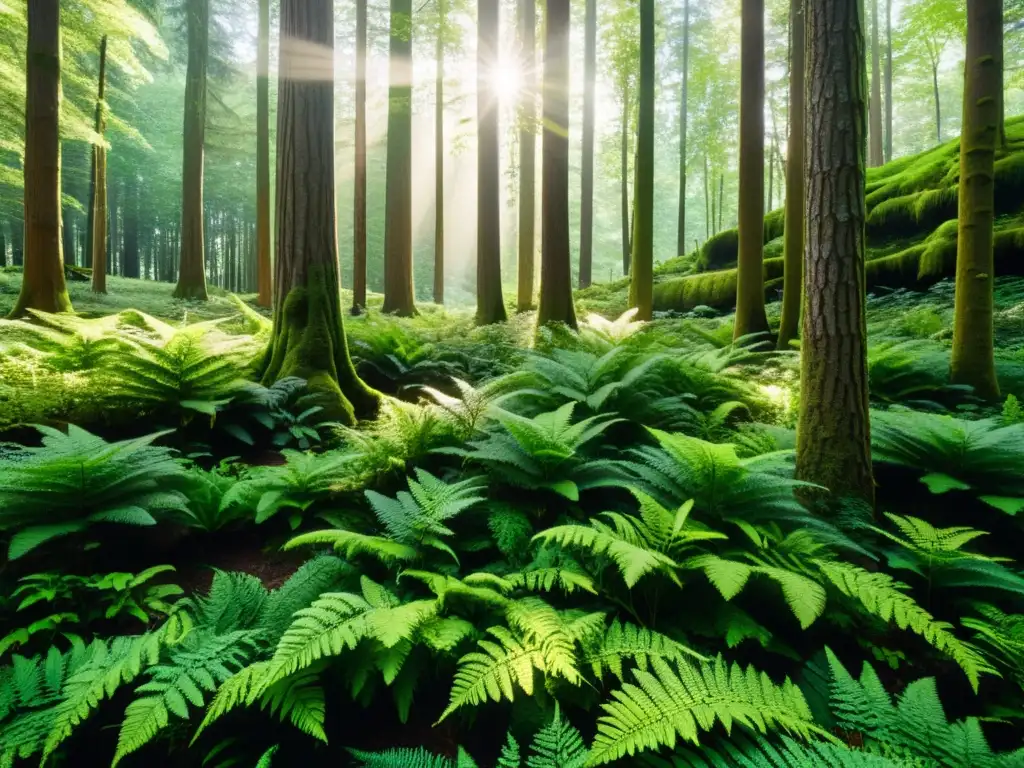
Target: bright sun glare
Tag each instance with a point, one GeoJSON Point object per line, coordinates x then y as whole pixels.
{"type": "Point", "coordinates": [506, 78]}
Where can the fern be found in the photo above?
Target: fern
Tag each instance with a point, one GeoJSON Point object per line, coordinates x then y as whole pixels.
{"type": "Point", "coordinates": [1001, 636]}
{"type": "Point", "coordinates": [623, 642]}
{"type": "Point", "coordinates": [349, 544]}
{"type": "Point", "coordinates": [421, 512]}
{"type": "Point", "coordinates": [410, 758]}
{"type": "Point", "coordinates": [555, 632]}
{"type": "Point", "coordinates": [742, 750]}
{"type": "Point", "coordinates": [557, 745]}
{"type": "Point", "coordinates": [300, 699]}
{"type": "Point", "coordinates": [475, 405]}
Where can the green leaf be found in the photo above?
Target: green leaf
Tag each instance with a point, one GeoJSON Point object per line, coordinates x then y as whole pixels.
{"type": "Point", "coordinates": [566, 488]}
{"type": "Point", "coordinates": [1008, 504]}
{"type": "Point", "coordinates": [939, 483]}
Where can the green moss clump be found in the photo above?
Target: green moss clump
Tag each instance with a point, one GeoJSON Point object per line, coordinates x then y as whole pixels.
{"type": "Point", "coordinates": [712, 289]}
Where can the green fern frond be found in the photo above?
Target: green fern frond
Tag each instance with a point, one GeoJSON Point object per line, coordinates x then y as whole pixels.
{"type": "Point", "coordinates": [316, 576]}
{"type": "Point", "coordinates": [242, 688]}
{"type": "Point", "coordinates": [402, 758]}
{"type": "Point", "coordinates": [349, 544]}
{"type": "Point", "coordinates": [624, 642]}
{"type": "Point", "coordinates": [557, 745]}
{"type": "Point", "coordinates": [743, 750]}
{"type": "Point", "coordinates": [422, 511]}
{"type": "Point", "coordinates": [509, 757]}
{"type": "Point", "coordinates": [300, 699]}
{"type": "Point", "coordinates": [546, 579]}
{"type": "Point", "coordinates": [555, 632]}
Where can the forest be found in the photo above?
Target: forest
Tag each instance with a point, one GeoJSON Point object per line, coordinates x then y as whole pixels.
{"type": "Point", "coordinates": [698, 442]}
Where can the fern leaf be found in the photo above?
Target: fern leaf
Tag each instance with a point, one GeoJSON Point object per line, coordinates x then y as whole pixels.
{"type": "Point", "coordinates": [624, 642]}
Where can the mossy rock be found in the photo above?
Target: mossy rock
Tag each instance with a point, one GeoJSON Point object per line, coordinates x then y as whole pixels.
{"type": "Point", "coordinates": [722, 249]}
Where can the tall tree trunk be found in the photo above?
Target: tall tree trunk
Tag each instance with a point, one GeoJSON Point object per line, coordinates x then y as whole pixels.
{"type": "Point", "coordinates": [833, 436]}
{"type": "Point", "coordinates": [67, 231]}
{"type": "Point", "coordinates": [439, 151]}
{"type": "Point", "coordinates": [102, 78]}
{"type": "Point", "coordinates": [556, 302]}
{"type": "Point", "coordinates": [709, 203]}
{"type": "Point", "coordinates": [17, 243]}
{"type": "Point", "coordinates": [641, 284]}
{"type": "Point", "coordinates": [130, 264]}
{"type": "Point", "coordinates": [683, 119]}
{"type": "Point", "coordinates": [793, 244]}
{"type": "Point", "coordinates": [42, 285]}
{"type": "Point", "coordinates": [359, 174]}
{"type": "Point", "coordinates": [587, 171]}
{"type": "Point", "coordinates": [714, 208]}
{"type": "Point", "coordinates": [3, 245]}
{"type": "Point", "coordinates": [721, 200]}
{"type": "Point", "coordinates": [973, 360]}
{"type": "Point", "coordinates": [490, 304]}
{"type": "Point", "coordinates": [624, 182]}
{"type": "Point", "coordinates": [527, 155]}
{"type": "Point", "coordinates": [750, 312]}
{"type": "Point", "coordinates": [877, 153]}
{"type": "Point", "coordinates": [113, 225]}
{"type": "Point", "coordinates": [398, 282]}
{"type": "Point", "coordinates": [100, 261]}
{"type": "Point", "coordinates": [191, 274]}
{"type": "Point", "coordinates": [309, 335]}
{"type": "Point", "coordinates": [888, 81]}
{"type": "Point", "coordinates": [938, 102]}
{"type": "Point", "coordinates": [264, 279]}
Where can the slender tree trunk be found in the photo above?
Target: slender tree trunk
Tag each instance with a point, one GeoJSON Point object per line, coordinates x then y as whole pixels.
{"type": "Point", "coordinates": [771, 183]}
{"type": "Point", "coordinates": [641, 285]}
{"type": "Point", "coordinates": [721, 200]}
{"type": "Point", "coordinates": [130, 265]}
{"type": "Point", "coordinates": [191, 275]}
{"type": "Point", "coordinates": [264, 280]}
{"type": "Point", "coordinates": [17, 243]}
{"type": "Point", "coordinates": [877, 153]}
{"type": "Point", "coordinates": [556, 302]}
{"type": "Point", "coordinates": [490, 304]}
{"type": "Point", "coordinates": [587, 171]}
{"type": "Point", "coordinates": [42, 285]}
{"type": "Point", "coordinates": [709, 202]}
{"type": "Point", "coordinates": [793, 244]}
{"type": "Point", "coordinates": [3, 245]}
{"type": "Point", "coordinates": [938, 103]}
{"type": "Point", "coordinates": [750, 312]}
{"type": "Point", "coordinates": [624, 181]}
{"type": "Point", "coordinates": [973, 360]}
{"type": "Point", "coordinates": [683, 119]}
{"type": "Point", "coordinates": [888, 81]}
{"type": "Point", "coordinates": [67, 231]}
{"type": "Point", "coordinates": [833, 436]}
{"type": "Point", "coordinates": [714, 208]}
{"type": "Point", "coordinates": [309, 335]}
{"type": "Point", "coordinates": [439, 151]}
{"type": "Point", "coordinates": [102, 78]}
{"type": "Point", "coordinates": [113, 224]}
{"type": "Point", "coordinates": [527, 155]}
{"type": "Point", "coordinates": [359, 175]}
{"type": "Point", "coordinates": [100, 261]}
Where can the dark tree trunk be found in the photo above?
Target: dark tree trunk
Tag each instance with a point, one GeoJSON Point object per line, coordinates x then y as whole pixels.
{"type": "Point", "coordinates": [309, 336]}
{"type": "Point", "coordinates": [973, 361]}
{"type": "Point", "coordinates": [191, 275]}
{"type": "Point", "coordinates": [490, 304]}
{"type": "Point", "coordinates": [17, 242]}
{"type": "Point", "coordinates": [624, 182]}
{"type": "Point", "coordinates": [888, 81]}
{"type": "Point", "coordinates": [587, 171]}
{"type": "Point", "coordinates": [708, 202]}
{"type": "Point", "coordinates": [398, 282]}
{"type": "Point", "coordinates": [938, 100]}
{"type": "Point", "coordinates": [877, 152]}
{"type": "Point", "coordinates": [527, 155]}
{"type": "Point", "coordinates": [264, 279]}
{"type": "Point", "coordinates": [556, 302]}
{"type": "Point", "coordinates": [359, 174]}
{"type": "Point", "coordinates": [42, 285]}
{"type": "Point", "coordinates": [683, 121]}
{"type": "Point", "coordinates": [721, 200]}
{"type": "Point", "coordinates": [130, 209]}
{"type": "Point", "coordinates": [833, 437]}
{"type": "Point", "coordinates": [641, 284]}
{"type": "Point", "coordinates": [439, 151]}
{"type": "Point", "coordinates": [793, 246]}
{"type": "Point", "coordinates": [750, 312]}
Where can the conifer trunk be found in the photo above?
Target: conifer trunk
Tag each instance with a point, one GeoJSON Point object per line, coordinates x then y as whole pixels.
{"type": "Point", "coordinates": [42, 285]}
{"type": "Point", "coordinates": [191, 272]}
{"type": "Point", "coordinates": [833, 436]}
{"type": "Point", "coordinates": [130, 262]}
{"type": "Point", "coordinates": [624, 181]}
{"type": "Point", "coordinates": [708, 204]}
{"type": "Point", "coordinates": [398, 282]}
{"type": "Point", "coordinates": [973, 360]}
{"type": "Point", "coordinates": [100, 265]}
{"type": "Point", "coordinates": [937, 96]}
{"type": "Point", "coordinates": [587, 171]}
{"type": "Point", "coordinates": [359, 173]}
{"type": "Point", "coordinates": [264, 279]}
{"type": "Point", "coordinates": [309, 335]}
{"type": "Point", "coordinates": [683, 120]}
{"type": "Point", "coordinates": [556, 302]}
{"type": "Point", "coordinates": [641, 285]}
{"type": "Point", "coordinates": [527, 155]}
{"type": "Point", "coordinates": [439, 151]}
{"type": "Point", "coordinates": [793, 245]}
{"type": "Point", "coordinates": [888, 81]}
{"type": "Point", "coordinates": [750, 312]}
{"type": "Point", "coordinates": [17, 243]}
{"type": "Point", "coordinates": [876, 153]}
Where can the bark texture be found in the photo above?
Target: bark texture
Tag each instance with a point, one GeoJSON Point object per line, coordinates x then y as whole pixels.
{"type": "Point", "coordinates": [750, 313]}
{"type": "Point", "coordinates": [641, 284]}
{"type": "Point", "coordinates": [833, 435]}
{"type": "Point", "coordinates": [191, 270]}
{"type": "Point", "coordinates": [264, 279]}
{"type": "Point", "coordinates": [309, 336]}
{"type": "Point", "coordinates": [973, 358]}
{"type": "Point", "coordinates": [398, 284]}
{"type": "Point", "coordinates": [683, 120]}
{"type": "Point", "coordinates": [587, 171]}
{"type": "Point", "coordinates": [556, 302]}
{"type": "Point", "coordinates": [98, 188]}
{"type": "Point", "coordinates": [624, 182]}
{"type": "Point", "coordinates": [527, 155]}
{"type": "Point", "coordinates": [876, 154]}
{"type": "Point", "coordinates": [359, 172]}
{"type": "Point", "coordinates": [439, 151]}
{"type": "Point", "coordinates": [793, 244]}
{"type": "Point", "coordinates": [42, 285]}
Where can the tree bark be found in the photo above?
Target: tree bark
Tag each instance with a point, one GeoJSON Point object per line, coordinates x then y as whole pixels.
{"type": "Point", "coordinates": [938, 103]}
{"type": "Point", "coordinates": [683, 119]}
{"type": "Point", "coordinates": [587, 171]}
{"type": "Point", "coordinates": [130, 261]}
{"type": "Point", "coordinates": [624, 181]}
{"type": "Point", "coordinates": [888, 81]}
{"type": "Point", "coordinates": [42, 285]}
{"type": "Point", "coordinates": [100, 261]}
{"type": "Point", "coordinates": [708, 202]}
{"type": "Point", "coordinates": [750, 312]}
{"type": "Point", "coordinates": [490, 304]}
{"type": "Point", "coordinates": [973, 361]}
{"type": "Point", "coordinates": [439, 151]}
{"type": "Point", "coordinates": [398, 283]}
{"type": "Point", "coordinates": [556, 302]}
{"type": "Point", "coordinates": [721, 200]}
{"type": "Point", "coordinates": [359, 173]}
{"type": "Point", "coordinates": [833, 436]}
{"type": "Point", "coordinates": [641, 285]}
{"type": "Point", "coordinates": [191, 274]}
{"type": "Point", "coordinates": [793, 244]}
{"type": "Point", "coordinates": [264, 279]}
{"type": "Point", "coordinates": [527, 155]}
{"type": "Point", "coordinates": [877, 154]}
{"type": "Point", "coordinates": [17, 243]}
{"type": "Point", "coordinates": [309, 335]}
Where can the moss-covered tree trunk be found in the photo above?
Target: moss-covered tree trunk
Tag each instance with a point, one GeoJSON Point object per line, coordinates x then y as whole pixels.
{"type": "Point", "coordinates": [264, 278]}
{"type": "Point", "coordinates": [490, 304]}
{"type": "Point", "coordinates": [833, 435]}
{"type": "Point", "coordinates": [793, 245]}
{"type": "Point", "coordinates": [876, 154]}
{"type": "Point", "coordinates": [191, 270]}
{"type": "Point", "coordinates": [398, 283]}
{"type": "Point", "coordinates": [750, 313]}
{"type": "Point", "coordinates": [683, 120]}
{"type": "Point", "coordinates": [359, 171]}
{"type": "Point", "coordinates": [309, 335]}
{"type": "Point", "coordinates": [439, 152]}
{"type": "Point", "coordinates": [641, 283]}
{"type": "Point", "coordinates": [42, 285]}
{"type": "Point", "coordinates": [527, 155]}
{"type": "Point", "coordinates": [587, 170]}
{"type": "Point", "coordinates": [556, 302]}
{"type": "Point", "coordinates": [624, 181]}
{"type": "Point", "coordinates": [973, 361]}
